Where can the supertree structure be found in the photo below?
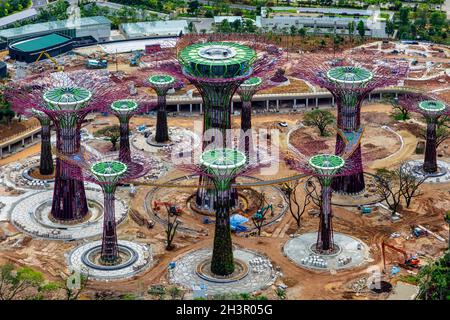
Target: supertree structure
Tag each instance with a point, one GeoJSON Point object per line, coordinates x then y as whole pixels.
{"type": "Point", "coordinates": [161, 83]}
{"type": "Point", "coordinates": [66, 98]}
{"type": "Point", "coordinates": [221, 166]}
{"type": "Point", "coordinates": [124, 109]}
{"type": "Point", "coordinates": [325, 167]}
{"type": "Point", "coordinates": [217, 69]}
{"type": "Point", "coordinates": [108, 174]}
{"type": "Point", "coordinates": [246, 91]}
{"type": "Point", "coordinates": [46, 166]}
{"type": "Point", "coordinates": [216, 65]}
{"type": "Point", "coordinates": [349, 78]}
{"type": "Point", "coordinates": [432, 110]}
{"type": "Point", "coordinates": [46, 160]}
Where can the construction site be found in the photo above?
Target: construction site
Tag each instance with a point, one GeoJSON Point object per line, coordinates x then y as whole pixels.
{"type": "Point", "coordinates": [278, 208]}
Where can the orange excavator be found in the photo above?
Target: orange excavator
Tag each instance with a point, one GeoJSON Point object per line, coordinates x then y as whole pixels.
{"type": "Point", "coordinates": [171, 208]}
{"type": "Point", "coordinates": [410, 261]}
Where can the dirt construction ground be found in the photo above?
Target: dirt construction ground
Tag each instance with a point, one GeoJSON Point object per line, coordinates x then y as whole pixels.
{"type": "Point", "coordinates": [426, 210]}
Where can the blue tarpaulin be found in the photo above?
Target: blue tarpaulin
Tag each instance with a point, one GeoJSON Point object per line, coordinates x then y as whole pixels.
{"type": "Point", "coordinates": [237, 221]}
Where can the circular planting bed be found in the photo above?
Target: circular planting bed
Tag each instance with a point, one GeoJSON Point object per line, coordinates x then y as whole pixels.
{"type": "Point", "coordinates": [351, 252]}
{"type": "Point", "coordinates": [441, 176]}
{"type": "Point", "coordinates": [368, 197]}
{"type": "Point", "coordinates": [203, 270]}
{"type": "Point", "coordinates": [255, 272]}
{"type": "Point", "coordinates": [135, 258]}
{"type": "Point", "coordinates": [32, 216]}
{"type": "Point", "coordinates": [34, 174]}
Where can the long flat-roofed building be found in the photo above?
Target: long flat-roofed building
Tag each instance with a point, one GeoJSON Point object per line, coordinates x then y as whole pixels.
{"type": "Point", "coordinates": [323, 20]}
{"type": "Point", "coordinates": [29, 50]}
{"type": "Point", "coordinates": [165, 28]}
{"type": "Point", "coordinates": [99, 28]}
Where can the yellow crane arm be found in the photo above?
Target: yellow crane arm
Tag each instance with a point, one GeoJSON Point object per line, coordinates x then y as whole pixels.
{"type": "Point", "coordinates": [43, 52]}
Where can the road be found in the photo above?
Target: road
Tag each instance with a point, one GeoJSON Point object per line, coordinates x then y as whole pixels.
{"type": "Point", "coordinates": [231, 5]}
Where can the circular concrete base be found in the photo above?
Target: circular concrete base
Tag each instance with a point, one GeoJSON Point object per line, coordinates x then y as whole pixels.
{"type": "Point", "coordinates": [204, 271]}
{"type": "Point", "coordinates": [352, 252]}
{"type": "Point", "coordinates": [151, 141]}
{"type": "Point", "coordinates": [140, 258]}
{"type": "Point", "coordinates": [367, 197]}
{"type": "Point", "coordinates": [31, 215]}
{"type": "Point", "coordinates": [260, 273]}
{"type": "Point", "coordinates": [441, 176]}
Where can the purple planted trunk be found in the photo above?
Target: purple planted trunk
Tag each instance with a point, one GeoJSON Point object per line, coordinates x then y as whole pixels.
{"type": "Point", "coordinates": [69, 197]}
{"type": "Point", "coordinates": [124, 149]}
{"type": "Point", "coordinates": [246, 126]}
{"type": "Point", "coordinates": [109, 253]}
{"type": "Point", "coordinates": [430, 163]}
{"type": "Point", "coordinates": [162, 129]}
{"type": "Point", "coordinates": [46, 161]}
{"type": "Point", "coordinates": [325, 243]}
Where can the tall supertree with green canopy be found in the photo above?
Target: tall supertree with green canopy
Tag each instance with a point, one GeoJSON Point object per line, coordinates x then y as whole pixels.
{"type": "Point", "coordinates": [46, 166]}
{"type": "Point", "coordinates": [221, 166]}
{"type": "Point", "coordinates": [325, 167]}
{"type": "Point", "coordinates": [246, 91]}
{"type": "Point", "coordinates": [124, 109]}
{"type": "Point", "coordinates": [66, 98]}
{"type": "Point", "coordinates": [432, 109]}
{"type": "Point", "coordinates": [350, 78]}
{"type": "Point", "coordinates": [217, 69]}
{"type": "Point", "coordinates": [108, 173]}
{"type": "Point", "coordinates": [161, 83]}
{"type": "Point", "coordinates": [217, 64]}
{"type": "Point", "coordinates": [46, 160]}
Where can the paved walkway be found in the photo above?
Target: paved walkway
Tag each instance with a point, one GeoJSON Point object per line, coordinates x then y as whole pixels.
{"type": "Point", "coordinates": [23, 215]}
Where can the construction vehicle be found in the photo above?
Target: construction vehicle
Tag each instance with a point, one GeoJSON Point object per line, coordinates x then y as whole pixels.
{"type": "Point", "coordinates": [134, 61]}
{"type": "Point", "coordinates": [58, 67]}
{"type": "Point", "coordinates": [96, 64]}
{"type": "Point", "coordinates": [409, 261]}
{"type": "Point", "coordinates": [418, 232]}
{"type": "Point", "coordinates": [366, 210]}
{"type": "Point", "coordinates": [172, 209]}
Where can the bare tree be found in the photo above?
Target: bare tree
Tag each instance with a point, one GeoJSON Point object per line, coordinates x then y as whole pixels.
{"type": "Point", "coordinates": [389, 189]}
{"type": "Point", "coordinates": [411, 182]}
{"type": "Point", "coordinates": [296, 208]}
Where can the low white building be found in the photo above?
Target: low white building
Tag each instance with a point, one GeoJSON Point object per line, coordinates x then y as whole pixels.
{"type": "Point", "coordinates": [322, 20]}
{"type": "Point", "coordinates": [167, 28]}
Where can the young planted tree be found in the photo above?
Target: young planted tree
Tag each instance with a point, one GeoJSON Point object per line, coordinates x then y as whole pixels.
{"type": "Point", "coordinates": [361, 29]}
{"type": "Point", "coordinates": [259, 217]}
{"type": "Point", "coordinates": [400, 112]}
{"type": "Point", "coordinates": [171, 229]}
{"type": "Point", "coordinates": [112, 134]}
{"type": "Point", "coordinates": [320, 119]}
